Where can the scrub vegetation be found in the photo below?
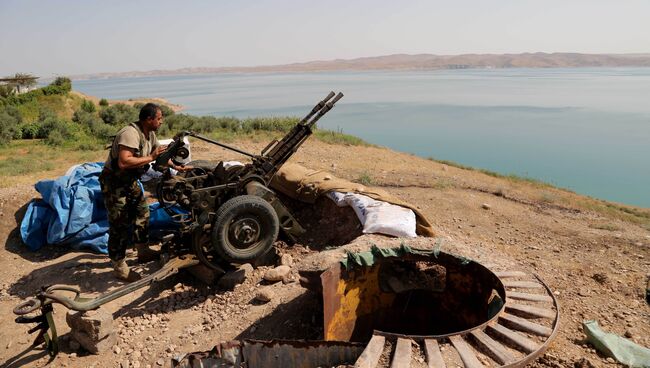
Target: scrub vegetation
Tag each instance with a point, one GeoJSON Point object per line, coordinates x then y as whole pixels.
{"type": "Point", "coordinates": [45, 123]}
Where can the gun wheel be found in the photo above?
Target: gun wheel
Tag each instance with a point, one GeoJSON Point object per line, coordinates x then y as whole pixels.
{"type": "Point", "coordinates": [245, 228]}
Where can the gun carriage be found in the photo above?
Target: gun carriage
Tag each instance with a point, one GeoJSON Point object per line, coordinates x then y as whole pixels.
{"type": "Point", "coordinates": [224, 215]}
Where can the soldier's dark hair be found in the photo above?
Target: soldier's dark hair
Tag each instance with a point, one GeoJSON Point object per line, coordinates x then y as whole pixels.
{"type": "Point", "coordinates": [148, 111]}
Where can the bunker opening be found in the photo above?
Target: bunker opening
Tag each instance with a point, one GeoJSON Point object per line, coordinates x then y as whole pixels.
{"type": "Point", "coordinates": [412, 294]}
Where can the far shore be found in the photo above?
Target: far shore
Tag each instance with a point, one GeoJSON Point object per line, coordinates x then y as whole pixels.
{"type": "Point", "coordinates": [133, 101]}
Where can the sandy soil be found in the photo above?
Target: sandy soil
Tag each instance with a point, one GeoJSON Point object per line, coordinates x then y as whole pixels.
{"type": "Point", "coordinates": [596, 265]}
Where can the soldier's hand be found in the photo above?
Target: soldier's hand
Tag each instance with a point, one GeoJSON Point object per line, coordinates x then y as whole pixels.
{"type": "Point", "coordinates": [184, 168]}
{"type": "Point", "coordinates": [158, 151]}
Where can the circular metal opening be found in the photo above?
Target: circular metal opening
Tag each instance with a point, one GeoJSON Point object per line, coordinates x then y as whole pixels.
{"type": "Point", "coordinates": [415, 295]}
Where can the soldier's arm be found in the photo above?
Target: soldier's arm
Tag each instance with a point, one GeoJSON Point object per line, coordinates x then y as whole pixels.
{"type": "Point", "coordinates": [128, 160]}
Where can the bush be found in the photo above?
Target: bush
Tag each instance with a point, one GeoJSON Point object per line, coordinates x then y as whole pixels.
{"type": "Point", "coordinates": [54, 124]}
{"type": "Point", "coordinates": [8, 126]}
{"type": "Point", "coordinates": [29, 131]}
{"type": "Point", "coordinates": [93, 124]}
{"type": "Point", "coordinates": [55, 138]}
{"type": "Point", "coordinates": [166, 110]}
{"type": "Point", "coordinates": [119, 114]}
{"type": "Point", "coordinates": [88, 106]}
{"type": "Point", "coordinates": [103, 102]}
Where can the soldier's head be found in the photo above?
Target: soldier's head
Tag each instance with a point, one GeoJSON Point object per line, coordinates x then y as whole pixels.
{"type": "Point", "coordinates": [151, 116]}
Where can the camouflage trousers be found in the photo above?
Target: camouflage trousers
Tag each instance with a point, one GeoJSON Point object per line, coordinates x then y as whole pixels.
{"type": "Point", "coordinates": [128, 214]}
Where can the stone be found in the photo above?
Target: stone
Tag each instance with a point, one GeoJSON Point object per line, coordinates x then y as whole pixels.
{"type": "Point", "coordinates": [94, 346]}
{"type": "Point", "coordinates": [236, 277]}
{"type": "Point", "coordinates": [265, 295]}
{"type": "Point", "coordinates": [486, 206]}
{"type": "Point", "coordinates": [583, 363]}
{"type": "Point", "coordinates": [117, 349]}
{"type": "Point", "coordinates": [160, 361]}
{"type": "Point", "coordinates": [277, 274]}
{"type": "Point", "coordinates": [96, 324]}
{"type": "Point", "coordinates": [286, 260]}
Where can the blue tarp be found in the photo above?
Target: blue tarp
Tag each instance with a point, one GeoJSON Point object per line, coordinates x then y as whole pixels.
{"type": "Point", "coordinates": [72, 212]}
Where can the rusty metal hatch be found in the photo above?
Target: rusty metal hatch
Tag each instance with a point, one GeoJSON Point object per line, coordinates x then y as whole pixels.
{"type": "Point", "coordinates": [455, 311]}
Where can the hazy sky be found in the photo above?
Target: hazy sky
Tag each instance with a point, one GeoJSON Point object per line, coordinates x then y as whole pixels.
{"type": "Point", "coordinates": [86, 36]}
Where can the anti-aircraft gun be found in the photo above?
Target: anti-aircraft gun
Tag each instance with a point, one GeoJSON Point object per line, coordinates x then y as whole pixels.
{"type": "Point", "coordinates": [233, 216]}
{"type": "Point", "coordinates": [225, 214]}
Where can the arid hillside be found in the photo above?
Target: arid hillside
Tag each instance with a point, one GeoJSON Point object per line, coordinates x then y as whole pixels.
{"type": "Point", "coordinates": [594, 255]}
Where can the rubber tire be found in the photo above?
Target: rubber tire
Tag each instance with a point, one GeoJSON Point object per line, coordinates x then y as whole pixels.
{"type": "Point", "coordinates": [234, 208]}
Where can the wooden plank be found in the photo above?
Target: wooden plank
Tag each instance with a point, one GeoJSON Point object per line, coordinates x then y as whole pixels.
{"type": "Point", "coordinates": [371, 354]}
{"type": "Point", "coordinates": [497, 351]}
{"type": "Point", "coordinates": [531, 311]}
{"type": "Point", "coordinates": [525, 325]}
{"type": "Point", "coordinates": [509, 274]}
{"type": "Point", "coordinates": [402, 355]}
{"type": "Point", "coordinates": [466, 353]}
{"type": "Point", "coordinates": [434, 356]}
{"type": "Point", "coordinates": [515, 338]}
{"type": "Point", "coordinates": [529, 297]}
{"type": "Point", "coordinates": [522, 284]}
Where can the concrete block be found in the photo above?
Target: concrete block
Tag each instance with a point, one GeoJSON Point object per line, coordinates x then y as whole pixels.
{"type": "Point", "coordinates": [95, 346]}
{"type": "Point", "coordinates": [96, 324]}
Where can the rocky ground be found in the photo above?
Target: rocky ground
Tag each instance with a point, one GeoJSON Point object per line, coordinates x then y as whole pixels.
{"type": "Point", "coordinates": [596, 264]}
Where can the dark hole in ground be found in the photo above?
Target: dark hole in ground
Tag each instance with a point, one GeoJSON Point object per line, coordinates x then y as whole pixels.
{"type": "Point", "coordinates": [412, 297]}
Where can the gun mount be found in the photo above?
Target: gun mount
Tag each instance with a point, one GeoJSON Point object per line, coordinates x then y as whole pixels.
{"type": "Point", "coordinates": [232, 214]}
{"type": "Point", "coordinates": [227, 215]}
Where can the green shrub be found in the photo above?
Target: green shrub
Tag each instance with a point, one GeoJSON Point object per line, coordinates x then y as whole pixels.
{"type": "Point", "coordinates": [60, 86]}
{"type": "Point", "coordinates": [166, 110]}
{"type": "Point", "coordinates": [119, 114]}
{"type": "Point", "coordinates": [6, 90]}
{"type": "Point", "coordinates": [54, 124]}
{"type": "Point", "coordinates": [55, 138]}
{"type": "Point", "coordinates": [88, 106]}
{"type": "Point", "coordinates": [29, 130]}
{"type": "Point", "coordinates": [8, 126]}
{"type": "Point", "coordinates": [93, 124]}
{"type": "Point", "coordinates": [103, 102]}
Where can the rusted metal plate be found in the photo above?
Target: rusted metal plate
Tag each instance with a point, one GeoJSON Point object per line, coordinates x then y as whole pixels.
{"type": "Point", "coordinates": [281, 354]}
{"type": "Point", "coordinates": [370, 356]}
{"type": "Point", "coordinates": [274, 354]}
{"type": "Point", "coordinates": [402, 354]}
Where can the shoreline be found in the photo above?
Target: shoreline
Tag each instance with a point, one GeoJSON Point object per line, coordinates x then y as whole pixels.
{"type": "Point", "coordinates": [132, 101]}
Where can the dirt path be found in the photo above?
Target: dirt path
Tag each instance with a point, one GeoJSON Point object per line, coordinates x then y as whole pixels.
{"type": "Point", "coordinates": [596, 265]}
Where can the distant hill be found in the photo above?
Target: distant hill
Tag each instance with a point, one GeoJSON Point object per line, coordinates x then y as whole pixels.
{"type": "Point", "coordinates": [416, 62]}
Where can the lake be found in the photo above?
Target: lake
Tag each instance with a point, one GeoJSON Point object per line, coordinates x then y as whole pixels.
{"type": "Point", "coordinates": [585, 129]}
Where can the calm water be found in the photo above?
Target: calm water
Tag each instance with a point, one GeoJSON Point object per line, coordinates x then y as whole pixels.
{"type": "Point", "coordinates": [583, 129]}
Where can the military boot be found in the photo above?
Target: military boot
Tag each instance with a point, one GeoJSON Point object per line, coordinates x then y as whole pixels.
{"type": "Point", "coordinates": [146, 254]}
{"type": "Point", "coordinates": [123, 272]}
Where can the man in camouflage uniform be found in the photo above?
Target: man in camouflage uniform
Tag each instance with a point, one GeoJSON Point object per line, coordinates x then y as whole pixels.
{"type": "Point", "coordinates": [133, 148]}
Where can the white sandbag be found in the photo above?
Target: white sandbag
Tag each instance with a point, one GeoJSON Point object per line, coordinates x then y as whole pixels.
{"type": "Point", "coordinates": [381, 217]}
{"type": "Point", "coordinates": [338, 198]}
{"type": "Point", "coordinates": [386, 218]}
